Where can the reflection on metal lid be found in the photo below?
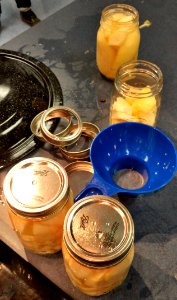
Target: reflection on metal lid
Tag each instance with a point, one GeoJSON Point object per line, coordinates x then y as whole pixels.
{"type": "Point", "coordinates": [79, 174]}
{"type": "Point", "coordinates": [99, 229]}
{"type": "Point", "coordinates": [35, 185]}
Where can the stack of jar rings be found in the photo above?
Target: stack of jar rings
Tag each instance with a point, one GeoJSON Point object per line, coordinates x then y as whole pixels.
{"type": "Point", "coordinates": [69, 135]}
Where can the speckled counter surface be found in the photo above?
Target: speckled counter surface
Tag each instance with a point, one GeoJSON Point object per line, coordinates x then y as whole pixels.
{"type": "Point", "coordinates": [66, 43]}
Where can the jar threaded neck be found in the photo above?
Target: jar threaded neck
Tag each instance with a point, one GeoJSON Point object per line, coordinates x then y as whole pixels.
{"type": "Point", "coordinates": [120, 8]}
{"type": "Point", "coordinates": [134, 78]}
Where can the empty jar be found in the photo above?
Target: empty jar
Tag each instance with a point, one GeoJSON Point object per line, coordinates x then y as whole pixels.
{"type": "Point", "coordinates": [98, 244]}
{"type": "Point", "coordinates": [137, 93]}
{"type": "Point", "coordinates": [118, 38]}
{"type": "Point", "coordinates": [38, 197]}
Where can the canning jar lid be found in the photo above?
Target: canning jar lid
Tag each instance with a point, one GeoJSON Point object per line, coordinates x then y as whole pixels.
{"type": "Point", "coordinates": [98, 230]}
{"type": "Point", "coordinates": [36, 187]}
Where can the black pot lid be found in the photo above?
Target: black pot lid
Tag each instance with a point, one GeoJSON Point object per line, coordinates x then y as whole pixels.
{"type": "Point", "coordinates": [27, 87]}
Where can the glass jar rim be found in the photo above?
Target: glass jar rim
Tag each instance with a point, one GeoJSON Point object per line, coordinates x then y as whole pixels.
{"type": "Point", "coordinates": [108, 10]}
{"type": "Point", "coordinates": [141, 68]}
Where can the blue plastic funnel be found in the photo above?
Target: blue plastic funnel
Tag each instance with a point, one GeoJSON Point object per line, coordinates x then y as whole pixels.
{"type": "Point", "coordinates": [130, 151]}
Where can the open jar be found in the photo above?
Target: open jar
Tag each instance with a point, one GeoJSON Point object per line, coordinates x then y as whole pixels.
{"type": "Point", "coordinates": [137, 93]}
{"type": "Point", "coordinates": [98, 244]}
{"type": "Point", "coordinates": [118, 38]}
{"type": "Point", "coordinates": [38, 196]}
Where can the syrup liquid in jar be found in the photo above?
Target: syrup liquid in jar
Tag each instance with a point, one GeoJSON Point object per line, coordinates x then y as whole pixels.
{"type": "Point", "coordinates": [118, 38]}
{"type": "Point", "coordinates": [137, 93]}
{"type": "Point", "coordinates": [98, 244]}
{"type": "Point", "coordinates": [37, 196]}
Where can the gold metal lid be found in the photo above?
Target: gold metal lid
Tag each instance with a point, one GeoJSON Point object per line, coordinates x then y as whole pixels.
{"type": "Point", "coordinates": [79, 175]}
{"type": "Point", "coordinates": [36, 186]}
{"type": "Point", "coordinates": [98, 230]}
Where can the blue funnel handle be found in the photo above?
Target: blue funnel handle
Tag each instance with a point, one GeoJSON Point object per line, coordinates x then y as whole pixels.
{"type": "Point", "coordinates": [97, 187]}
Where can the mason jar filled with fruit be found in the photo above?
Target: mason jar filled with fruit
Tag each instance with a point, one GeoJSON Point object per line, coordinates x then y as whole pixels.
{"type": "Point", "coordinates": [118, 38]}
{"type": "Point", "coordinates": [137, 93]}
{"type": "Point", "coordinates": [98, 244]}
{"type": "Point", "coordinates": [38, 196]}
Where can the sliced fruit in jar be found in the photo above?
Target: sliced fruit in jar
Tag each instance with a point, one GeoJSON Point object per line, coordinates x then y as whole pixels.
{"type": "Point", "coordinates": [121, 105]}
{"type": "Point", "coordinates": [128, 50]}
{"type": "Point", "coordinates": [148, 118]}
{"type": "Point", "coordinates": [116, 38]}
{"type": "Point", "coordinates": [144, 105]}
{"type": "Point", "coordinates": [106, 55]}
{"type": "Point", "coordinates": [121, 116]}
{"type": "Point", "coordinates": [121, 17]}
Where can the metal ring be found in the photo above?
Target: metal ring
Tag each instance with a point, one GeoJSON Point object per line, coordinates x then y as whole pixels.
{"type": "Point", "coordinates": [88, 129]}
{"type": "Point", "coordinates": [61, 140]}
{"type": "Point", "coordinates": [79, 169]}
{"type": "Point", "coordinates": [79, 166]}
{"type": "Point", "coordinates": [35, 125]}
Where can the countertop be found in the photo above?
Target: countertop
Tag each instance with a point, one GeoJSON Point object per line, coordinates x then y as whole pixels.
{"type": "Point", "coordinates": [66, 42]}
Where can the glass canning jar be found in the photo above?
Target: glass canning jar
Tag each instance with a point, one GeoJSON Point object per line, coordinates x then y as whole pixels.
{"type": "Point", "coordinates": [37, 196]}
{"type": "Point", "coordinates": [118, 38]}
{"type": "Point", "coordinates": [98, 244]}
{"type": "Point", "coordinates": [137, 93]}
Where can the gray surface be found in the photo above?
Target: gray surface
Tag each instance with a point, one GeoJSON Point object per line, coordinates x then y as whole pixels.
{"type": "Point", "coordinates": [11, 23]}
{"type": "Point", "coordinates": [66, 43]}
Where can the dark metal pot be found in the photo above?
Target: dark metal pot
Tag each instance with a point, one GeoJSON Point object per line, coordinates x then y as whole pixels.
{"type": "Point", "coordinates": [27, 87]}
